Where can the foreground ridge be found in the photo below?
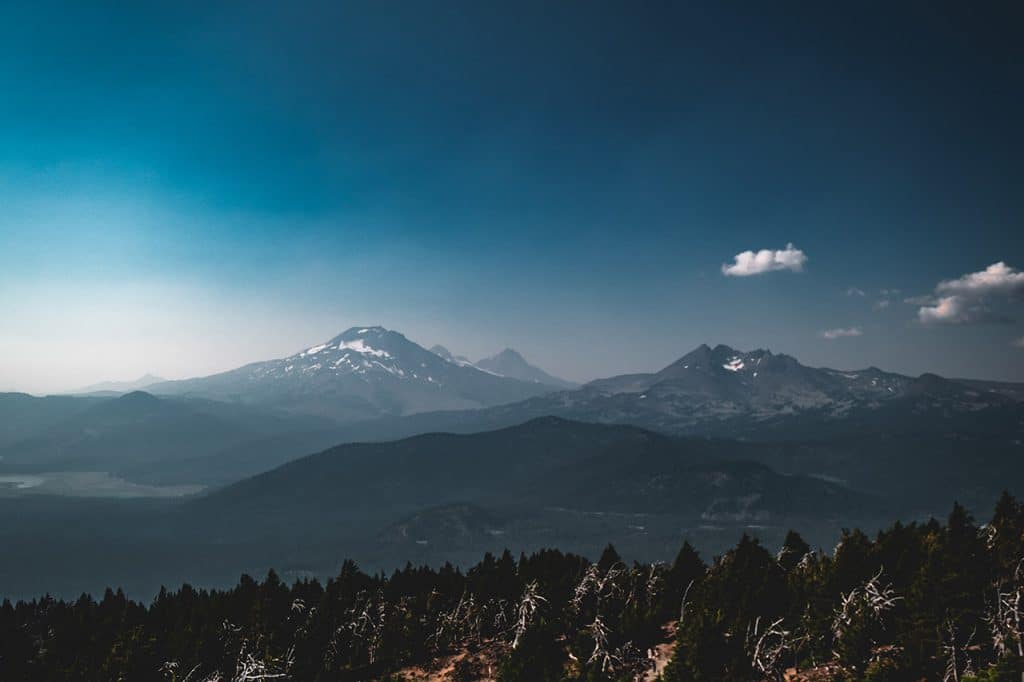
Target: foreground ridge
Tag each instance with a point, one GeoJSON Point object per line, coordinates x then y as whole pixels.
{"type": "Point", "coordinates": [924, 600]}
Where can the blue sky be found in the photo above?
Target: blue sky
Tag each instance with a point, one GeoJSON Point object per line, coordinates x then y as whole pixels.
{"type": "Point", "coordinates": [185, 188]}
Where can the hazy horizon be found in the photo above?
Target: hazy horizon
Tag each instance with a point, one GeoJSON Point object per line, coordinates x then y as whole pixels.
{"type": "Point", "coordinates": [652, 366]}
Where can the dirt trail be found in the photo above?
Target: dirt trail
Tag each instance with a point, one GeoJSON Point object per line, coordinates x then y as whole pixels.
{"type": "Point", "coordinates": [481, 664]}
{"type": "Point", "coordinates": [663, 652]}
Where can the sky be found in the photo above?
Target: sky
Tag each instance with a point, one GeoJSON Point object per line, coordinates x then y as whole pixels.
{"type": "Point", "coordinates": [188, 187]}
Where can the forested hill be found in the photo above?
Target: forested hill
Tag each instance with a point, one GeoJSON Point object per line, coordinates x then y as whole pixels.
{"type": "Point", "coordinates": [936, 601]}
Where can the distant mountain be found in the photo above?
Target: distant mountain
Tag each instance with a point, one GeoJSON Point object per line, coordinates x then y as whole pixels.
{"type": "Point", "coordinates": [754, 395]}
{"type": "Point", "coordinates": [443, 352]}
{"type": "Point", "coordinates": [119, 386]}
{"type": "Point", "coordinates": [147, 438]}
{"type": "Point", "coordinates": [723, 391]}
{"type": "Point", "coordinates": [568, 468]}
{"type": "Point", "coordinates": [1012, 390]}
{"type": "Point", "coordinates": [22, 415]}
{"type": "Point", "coordinates": [429, 499]}
{"type": "Point", "coordinates": [363, 373]}
{"type": "Point", "coordinates": [509, 363]}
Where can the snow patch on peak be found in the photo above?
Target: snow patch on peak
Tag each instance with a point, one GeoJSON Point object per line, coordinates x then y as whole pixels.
{"type": "Point", "coordinates": [314, 350]}
{"type": "Point", "coordinates": [360, 346]}
{"type": "Point", "coordinates": [734, 365]}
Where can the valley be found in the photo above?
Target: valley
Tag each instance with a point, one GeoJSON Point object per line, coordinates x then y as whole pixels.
{"type": "Point", "coordinates": [717, 444]}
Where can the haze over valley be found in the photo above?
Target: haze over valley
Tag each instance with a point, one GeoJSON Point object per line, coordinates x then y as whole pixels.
{"type": "Point", "coordinates": [237, 466]}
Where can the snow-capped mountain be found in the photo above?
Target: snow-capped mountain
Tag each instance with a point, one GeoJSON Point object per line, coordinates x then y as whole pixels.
{"type": "Point", "coordinates": [362, 373]}
{"type": "Point", "coordinates": [759, 381]}
{"type": "Point", "coordinates": [725, 392]}
{"type": "Point", "coordinates": [509, 363]}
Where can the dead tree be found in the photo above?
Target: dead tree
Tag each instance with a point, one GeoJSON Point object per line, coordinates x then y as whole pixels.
{"type": "Point", "coordinates": [600, 585]}
{"type": "Point", "coordinates": [461, 623]}
{"type": "Point", "coordinates": [248, 668]}
{"type": "Point", "coordinates": [958, 660]}
{"type": "Point", "coordinates": [768, 648]}
{"type": "Point", "coordinates": [683, 602]}
{"type": "Point", "coordinates": [529, 604]}
{"type": "Point", "coordinates": [599, 633]}
{"type": "Point", "coordinates": [862, 609]}
{"type": "Point", "coordinates": [368, 618]}
{"type": "Point", "coordinates": [1006, 615]}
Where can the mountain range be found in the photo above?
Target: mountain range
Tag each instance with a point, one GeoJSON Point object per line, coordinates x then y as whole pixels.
{"type": "Point", "coordinates": [112, 387]}
{"type": "Point", "coordinates": [756, 395]}
{"type": "Point", "coordinates": [372, 384]}
{"type": "Point", "coordinates": [374, 375]}
{"type": "Point", "coordinates": [424, 455]}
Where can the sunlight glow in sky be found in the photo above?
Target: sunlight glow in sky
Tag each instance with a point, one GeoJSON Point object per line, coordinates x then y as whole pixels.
{"type": "Point", "coordinates": [185, 189]}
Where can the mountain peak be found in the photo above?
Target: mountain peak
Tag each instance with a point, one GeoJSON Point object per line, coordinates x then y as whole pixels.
{"type": "Point", "coordinates": [700, 355]}
{"type": "Point", "coordinates": [509, 363]}
{"type": "Point", "coordinates": [362, 332]}
{"type": "Point", "coordinates": [134, 403]}
{"type": "Point", "coordinates": [448, 356]}
{"type": "Point", "coordinates": [509, 355]}
{"type": "Point", "coordinates": [364, 372]}
{"type": "Point", "coordinates": [138, 397]}
{"type": "Point", "coordinates": [121, 386]}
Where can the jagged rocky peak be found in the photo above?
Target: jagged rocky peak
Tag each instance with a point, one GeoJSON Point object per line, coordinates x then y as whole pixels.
{"type": "Point", "coordinates": [719, 358]}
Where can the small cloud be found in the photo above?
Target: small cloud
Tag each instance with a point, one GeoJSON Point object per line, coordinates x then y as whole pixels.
{"type": "Point", "coordinates": [882, 304]}
{"type": "Point", "coordinates": [854, 291]}
{"type": "Point", "coordinates": [749, 263]}
{"type": "Point", "coordinates": [998, 278]}
{"type": "Point", "coordinates": [963, 300]}
{"type": "Point", "coordinates": [839, 332]}
{"type": "Point", "coordinates": [920, 300]}
{"type": "Point", "coordinates": [959, 310]}
{"type": "Point", "coordinates": [1019, 343]}
{"type": "Point", "coordinates": [889, 292]}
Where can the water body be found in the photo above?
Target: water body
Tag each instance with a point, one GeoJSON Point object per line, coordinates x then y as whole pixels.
{"type": "Point", "coordinates": [87, 484]}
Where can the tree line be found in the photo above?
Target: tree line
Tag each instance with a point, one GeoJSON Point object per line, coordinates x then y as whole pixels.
{"type": "Point", "coordinates": [933, 600]}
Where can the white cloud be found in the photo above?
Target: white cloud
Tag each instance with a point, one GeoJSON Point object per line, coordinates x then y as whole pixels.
{"type": "Point", "coordinates": [854, 291]}
{"type": "Point", "coordinates": [948, 309]}
{"type": "Point", "coordinates": [998, 278]}
{"type": "Point", "coordinates": [750, 263]}
{"type": "Point", "coordinates": [962, 300]}
{"type": "Point", "coordinates": [839, 332]}
{"type": "Point", "coordinates": [882, 304]}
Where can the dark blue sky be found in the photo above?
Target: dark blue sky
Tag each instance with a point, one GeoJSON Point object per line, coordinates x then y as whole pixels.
{"type": "Point", "coordinates": [184, 188]}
